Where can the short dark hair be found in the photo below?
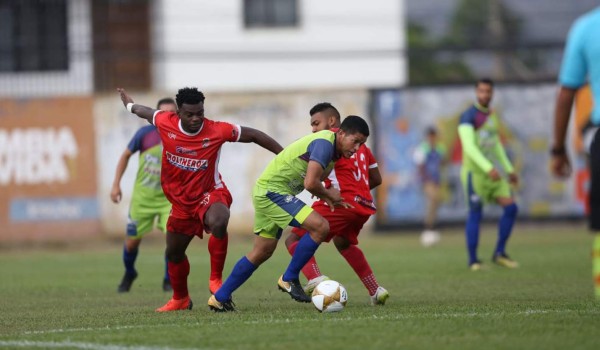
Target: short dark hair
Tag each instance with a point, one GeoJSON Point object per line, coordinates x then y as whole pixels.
{"type": "Point", "coordinates": [353, 124]}
{"type": "Point", "coordinates": [487, 81]}
{"type": "Point", "coordinates": [165, 101]}
{"type": "Point", "coordinates": [189, 95]}
{"type": "Point", "coordinates": [325, 106]}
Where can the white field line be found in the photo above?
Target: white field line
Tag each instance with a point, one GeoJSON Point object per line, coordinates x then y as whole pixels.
{"type": "Point", "coordinates": [338, 319]}
{"type": "Point", "coordinates": [71, 345]}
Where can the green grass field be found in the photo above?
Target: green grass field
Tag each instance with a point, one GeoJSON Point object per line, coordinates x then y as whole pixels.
{"type": "Point", "coordinates": [66, 298]}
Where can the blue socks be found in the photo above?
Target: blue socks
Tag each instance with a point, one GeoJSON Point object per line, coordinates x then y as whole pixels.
{"type": "Point", "coordinates": [472, 233]}
{"type": "Point", "coordinates": [305, 249]}
{"type": "Point", "coordinates": [242, 270]}
{"type": "Point", "coordinates": [129, 261]}
{"type": "Point", "coordinates": [505, 227]}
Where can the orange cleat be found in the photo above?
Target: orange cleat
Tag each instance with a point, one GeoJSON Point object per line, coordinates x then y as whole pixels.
{"type": "Point", "coordinates": [214, 285]}
{"type": "Point", "coordinates": [174, 305]}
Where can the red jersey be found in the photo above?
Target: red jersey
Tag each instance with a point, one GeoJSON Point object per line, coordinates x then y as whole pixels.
{"type": "Point", "coordinates": [190, 162]}
{"type": "Point", "coordinates": [351, 177]}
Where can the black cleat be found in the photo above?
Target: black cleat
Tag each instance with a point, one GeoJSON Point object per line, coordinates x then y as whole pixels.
{"type": "Point", "coordinates": [217, 306]}
{"type": "Point", "coordinates": [126, 283]}
{"type": "Point", "coordinates": [166, 285]}
{"type": "Point", "coordinates": [294, 289]}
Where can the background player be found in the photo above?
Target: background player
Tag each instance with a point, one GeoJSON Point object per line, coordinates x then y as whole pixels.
{"type": "Point", "coordinates": [148, 202]}
{"type": "Point", "coordinates": [483, 183]}
{"type": "Point", "coordinates": [430, 156]}
{"type": "Point", "coordinates": [354, 177]}
{"type": "Point", "coordinates": [301, 165]}
{"type": "Point", "coordinates": [581, 63]}
{"type": "Point", "coordinates": [192, 183]}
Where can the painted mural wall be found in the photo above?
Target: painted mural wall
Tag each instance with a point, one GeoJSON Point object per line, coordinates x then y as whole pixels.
{"type": "Point", "coordinates": [526, 112]}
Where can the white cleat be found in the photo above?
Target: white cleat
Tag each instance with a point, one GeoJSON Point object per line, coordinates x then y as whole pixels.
{"type": "Point", "coordinates": [380, 296]}
{"type": "Point", "coordinates": [313, 283]}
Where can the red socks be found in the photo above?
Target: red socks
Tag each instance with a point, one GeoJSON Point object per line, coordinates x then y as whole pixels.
{"type": "Point", "coordinates": [178, 274]}
{"type": "Point", "coordinates": [217, 248]}
{"type": "Point", "coordinates": [356, 259]}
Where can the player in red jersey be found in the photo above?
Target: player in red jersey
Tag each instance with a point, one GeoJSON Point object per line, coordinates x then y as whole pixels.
{"type": "Point", "coordinates": [191, 181]}
{"type": "Point", "coordinates": [355, 177]}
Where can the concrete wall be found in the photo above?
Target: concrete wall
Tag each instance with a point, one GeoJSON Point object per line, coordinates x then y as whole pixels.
{"type": "Point", "coordinates": [338, 44]}
{"type": "Point", "coordinates": [284, 116]}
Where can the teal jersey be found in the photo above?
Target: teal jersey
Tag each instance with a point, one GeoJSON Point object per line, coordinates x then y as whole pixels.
{"type": "Point", "coordinates": [147, 189]}
{"type": "Point", "coordinates": [285, 173]}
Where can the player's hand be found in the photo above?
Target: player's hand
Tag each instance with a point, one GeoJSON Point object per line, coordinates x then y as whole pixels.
{"type": "Point", "coordinates": [115, 194]}
{"type": "Point", "coordinates": [494, 174]}
{"type": "Point", "coordinates": [513, 178]}
{"type": "Point", "coordinates": [124, 96]}
{"type": "Point", "coordinates": [561, 166]}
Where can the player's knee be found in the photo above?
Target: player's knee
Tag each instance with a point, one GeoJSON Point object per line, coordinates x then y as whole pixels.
{"type": "Point", "coordinates": [511, 210]}
{"type": "Point", "coordinates": [292, 237]}
{"type": "Point", "coordinates": [340, 243]}
{"type": "Point", "coordinates": [218, 224]}
{"type": "Point", "coordinates": [321, 231]}
{"type": "Point", "coordinates": [475, 213]}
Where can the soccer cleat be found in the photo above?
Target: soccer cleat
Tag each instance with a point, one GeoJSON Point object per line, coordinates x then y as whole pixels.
{"type": "Point", "coordinates": [166, 285]}
{"type": "Point", "coordinates": [476, 266]}
{"type": "Point", "coordinates": [294, 289]}
{"type": "Point", "coordinates": [380, 296]}
{"type": "Point", "coordinates": [126, 282]}
{"type": "Point", "coordinates": [174, 305]}
{"type": "Point", "coordinates": [504, 260]}
{"type": "Point", "coordinates": [214, 285]}
{"type": "Point", "coordinates": [313, 283]}
{"type": "Point", "coordinates": [217, 306]}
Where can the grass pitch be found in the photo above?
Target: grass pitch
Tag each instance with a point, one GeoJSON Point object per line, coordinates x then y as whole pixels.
{"type": "Point", "coordinates": [67, 298]}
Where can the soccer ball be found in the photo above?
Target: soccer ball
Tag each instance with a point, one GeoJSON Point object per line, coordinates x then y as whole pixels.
{"type": "Point", "coordinates": [329, 296]}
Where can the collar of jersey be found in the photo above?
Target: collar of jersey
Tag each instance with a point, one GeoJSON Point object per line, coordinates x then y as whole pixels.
{"type": "Point", "coordinates": [188, 133]}
{"type": "Point", "coordinates": [481, 108]}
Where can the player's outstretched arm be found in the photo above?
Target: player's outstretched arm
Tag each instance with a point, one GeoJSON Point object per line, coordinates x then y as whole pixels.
{"type": "Point", "coordinates": [139, 110]}
{"type": "Point", "coordinates": [260, 138]}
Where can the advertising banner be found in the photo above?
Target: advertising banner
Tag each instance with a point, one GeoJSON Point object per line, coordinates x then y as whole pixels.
{"type": "Point", "coordinates": [47, 169]}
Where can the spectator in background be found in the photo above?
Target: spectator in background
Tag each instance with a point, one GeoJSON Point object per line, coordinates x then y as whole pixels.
{"type": "Point", "coordinates": [430, 157]}
{"type": "Point", "coordinates": [581, 64]}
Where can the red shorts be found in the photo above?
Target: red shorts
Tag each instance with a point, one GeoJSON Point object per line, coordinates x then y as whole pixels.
{"type": "Point", "coordinates": [190, 220]}
{"type": "Point", "coordinates": [343, 222]}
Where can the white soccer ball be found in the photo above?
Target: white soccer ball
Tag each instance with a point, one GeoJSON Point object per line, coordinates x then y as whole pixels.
{"type": "Point", "coordinates": [329, 296]}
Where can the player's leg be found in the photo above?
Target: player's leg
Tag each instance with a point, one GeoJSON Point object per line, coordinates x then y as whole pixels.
{"type": "Point", "coordinates": [267, 235]}
{"type": "Point", "coordinates": [163, 217]}
{"type": "Point", "coordinates": [430, 236]}
{"type": "Point", "coordinates": [473, 184]}
{"type": "Point", "coordinates": [179, 269]}
{"type": "Point", "coordinates": [139, 223]}
{"type": "Point", "coordinates": [181, 229]}
{"type": "Point", "coordinates": [505, 225]}
{"type": "Point", "coordinates": [217, 219]}
{"type": "Point", "coordinates": [311, 270]}
{"type": "Point", "coordinates": [594, 215]}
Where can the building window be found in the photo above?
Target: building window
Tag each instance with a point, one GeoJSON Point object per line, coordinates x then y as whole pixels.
{"type": "Point", "coordinates": [270, 13]}
{"type": "Point", "coordinates": [33, 36]}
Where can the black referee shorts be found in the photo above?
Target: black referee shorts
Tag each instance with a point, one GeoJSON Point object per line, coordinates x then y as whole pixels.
{"type": "Point", "coordinates": [594, 163]}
